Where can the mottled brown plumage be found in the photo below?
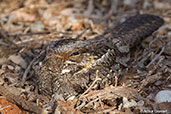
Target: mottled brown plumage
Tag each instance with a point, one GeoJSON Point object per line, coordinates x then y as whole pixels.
{"type": "Point", "coordinates": [70, 65]}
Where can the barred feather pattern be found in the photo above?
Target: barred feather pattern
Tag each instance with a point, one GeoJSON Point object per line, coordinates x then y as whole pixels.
{"type": "Point", "coordinates": [70, 65]}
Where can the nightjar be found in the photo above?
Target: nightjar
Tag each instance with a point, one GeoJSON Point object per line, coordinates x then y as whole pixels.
{"type": "Point", "coordinates": [70, 65]}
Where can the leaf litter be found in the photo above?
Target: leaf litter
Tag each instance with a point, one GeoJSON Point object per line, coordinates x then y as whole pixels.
{"type": "Point", "coordinates": [28, 26]}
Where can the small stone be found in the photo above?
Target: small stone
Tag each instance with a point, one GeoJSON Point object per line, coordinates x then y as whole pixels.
{"type": "Point", "coordinates": [163, 96]}
{"type": "Point", "coordinates": [10, 67]}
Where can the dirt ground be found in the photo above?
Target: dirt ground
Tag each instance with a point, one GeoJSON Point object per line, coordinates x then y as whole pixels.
{"type": "Point", "coordinates": [26, 26]}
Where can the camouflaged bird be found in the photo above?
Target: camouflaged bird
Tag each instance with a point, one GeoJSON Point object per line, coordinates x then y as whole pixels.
{"type": "Point", "coordinates": [70, 65]}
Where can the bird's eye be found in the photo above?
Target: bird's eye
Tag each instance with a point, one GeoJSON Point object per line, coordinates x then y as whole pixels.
{"type": "Point", "coordinates": [75, 53]}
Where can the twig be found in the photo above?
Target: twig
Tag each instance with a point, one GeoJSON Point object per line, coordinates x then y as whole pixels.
{"type": "Point", "coordinates": [116, 80]}
{"type": "Point", "coordinates": [162, 50]}
{"type": "Point", "coordinates": [26, 105]}
{"type": "Point", "coordinates": [5, 107]}
{"type": "Point", "coordinates": [97, 79]}
{"type": "Point", "coordinates": [82, 34]}
{"type": "Point", "coordinates": [28, 68]}
{"type": "Point", "coordinates": [92, 101]}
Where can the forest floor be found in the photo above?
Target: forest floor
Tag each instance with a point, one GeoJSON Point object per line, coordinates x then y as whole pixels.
{"type": "Point", "coordinates": [27, 25]}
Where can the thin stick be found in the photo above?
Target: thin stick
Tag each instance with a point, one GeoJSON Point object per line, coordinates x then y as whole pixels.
{"type": "Point", "coordinates": [116, 80]}
{"type": "Point", "coordinates": [26, 105]}
{"type": "Point", "coordinates": [5, 107]}
{"type": "Point", "coordinates": [96, 79]}
{"type": "Point", "coordinates": [29, 67]}
{"type": "Point", "coordinates": [155, 58]}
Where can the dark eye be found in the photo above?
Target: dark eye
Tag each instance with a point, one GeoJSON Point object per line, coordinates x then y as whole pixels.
{"type": "Point", "coordinates": [75, 53]}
